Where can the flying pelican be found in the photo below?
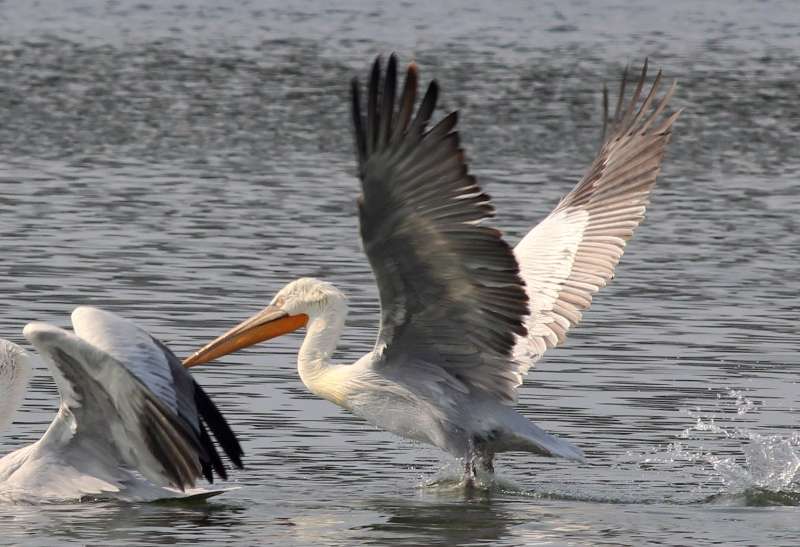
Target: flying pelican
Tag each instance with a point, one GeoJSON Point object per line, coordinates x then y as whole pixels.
{"type": "Point", "coordinates": [463, 315]}
{"type": "Point", "coordinates": [132, 423]}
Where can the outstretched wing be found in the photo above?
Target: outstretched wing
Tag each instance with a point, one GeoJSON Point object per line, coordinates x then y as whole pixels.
{"type": "Point", "coordinates": [450, 291]}
{"type": "Point", "coordinates": [119, 405]}
{"type": "Point", "coordinates": [572, 253]}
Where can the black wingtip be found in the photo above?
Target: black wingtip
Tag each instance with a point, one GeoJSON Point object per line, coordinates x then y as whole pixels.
{"type": "Point", "coordinates": [406, 105]}
{"type": "Point", "coordinates": [358, 123]}
{"type": "Point", "coordinates": [373, 116]}
{"type": "Point", "coordinates": [376, 65]}
{"type": "Point", "coordinates": [391, 66]}
{"type": "Point", "coordinates": [387, 101]}
{"type": "Point", "coordinates": [212, 463]}
{"type": "Point", "coordinates": [427, 107]}
{"type": "Point", "coordinates": [219, 427]}
{"type": "Point", "coordinates": [434, 88]}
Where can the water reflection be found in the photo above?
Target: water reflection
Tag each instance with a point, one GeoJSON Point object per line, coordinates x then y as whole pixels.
{"type": "Point", "coordinates": [463, 520]}
{"type": "Point", "coordinates": [160, 524]}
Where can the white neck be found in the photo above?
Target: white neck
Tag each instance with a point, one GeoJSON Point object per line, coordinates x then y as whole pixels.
{"type": "Point", "coordinates": [15, 371]}
{"type": "Point", "coordinates": [314, 359]}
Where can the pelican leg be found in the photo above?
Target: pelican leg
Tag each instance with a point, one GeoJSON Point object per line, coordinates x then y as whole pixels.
{"type": "Point", "coordinates": [482, 448]}
{"type": "Point", "coordinates": [470, 469]}
{"type": "Point", "coordinates": [487, 462]}
{"type": "Point", "coordinates": [469, 474]}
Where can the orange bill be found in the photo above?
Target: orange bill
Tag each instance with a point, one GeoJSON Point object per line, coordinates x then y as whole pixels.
{"type": "Point", "coordinates": [268, 323]}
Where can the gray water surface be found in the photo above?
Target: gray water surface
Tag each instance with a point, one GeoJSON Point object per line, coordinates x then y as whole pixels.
{"type": "Point", "coordinates": [177, 163]}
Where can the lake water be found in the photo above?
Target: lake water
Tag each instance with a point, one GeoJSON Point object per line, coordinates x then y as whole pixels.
{"type": "Point", "coordinates": [178, 162]}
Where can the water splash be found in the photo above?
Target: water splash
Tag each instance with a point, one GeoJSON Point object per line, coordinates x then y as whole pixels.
{"type": "Point", "coordinates": [743, 404]}
{"type": "Point", "coordinates": [450, 478]}
{"type": "Point", "coordinates": [750, 468]}
{"type": "Point", "coordinates": [771, 462]}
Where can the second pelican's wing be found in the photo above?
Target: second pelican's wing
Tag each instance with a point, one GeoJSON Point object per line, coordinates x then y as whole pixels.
{"type": "Point", "coordinates": [450, 290]}
{"type": "Point", "coordinates": [120, 409]}
{"type": "Point", "coordinates": [162, 372]}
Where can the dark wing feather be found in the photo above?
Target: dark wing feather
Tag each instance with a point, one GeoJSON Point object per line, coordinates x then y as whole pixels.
{"type": "Point", "coordinates": [450, 290]}
{"type": "Point", "coordinates": [216, 422]}
{"type": "Point", "coordinates": [197, 408]}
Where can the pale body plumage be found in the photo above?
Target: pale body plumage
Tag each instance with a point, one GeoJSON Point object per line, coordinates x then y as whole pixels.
{"type": "Point", "coordinates": [413, 400]}
{"type": "Point", "coordinates": [130, 424]}
{"type": "Point", "coordinates": [463, 315]}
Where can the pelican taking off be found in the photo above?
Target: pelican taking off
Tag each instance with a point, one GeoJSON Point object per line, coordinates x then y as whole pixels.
{"type": "Point", "coordinates": [132, 425]}
{"type": "Point", "coordinates": [463, 315]}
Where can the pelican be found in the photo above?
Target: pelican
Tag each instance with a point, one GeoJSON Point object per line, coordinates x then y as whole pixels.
{"type": "Point", "coordinates": [463, 314]}
{"type": "Point", "coordinates": [132, 425]}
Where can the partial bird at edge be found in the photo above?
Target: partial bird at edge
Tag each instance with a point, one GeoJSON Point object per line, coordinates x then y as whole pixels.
{"type": "Point", "coordinates": [132, 425]}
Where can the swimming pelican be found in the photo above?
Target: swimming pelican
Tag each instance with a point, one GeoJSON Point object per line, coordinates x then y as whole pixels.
{"type": "Point", "coordinates": [463, 316]}
{"type": "Point", "coordinates": [132, 421]}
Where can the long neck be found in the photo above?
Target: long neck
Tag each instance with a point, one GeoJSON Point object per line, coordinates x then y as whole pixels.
{"type": "Point", "coordinates": [15, 370]}
{"type": "Point", "coordinates": [314, 359]}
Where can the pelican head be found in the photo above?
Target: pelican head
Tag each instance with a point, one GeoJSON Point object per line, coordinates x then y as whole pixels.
{"type": "Point", "coordinates": [305, 301]}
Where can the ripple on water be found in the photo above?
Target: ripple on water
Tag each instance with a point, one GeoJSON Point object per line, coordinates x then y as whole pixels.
{"type": "Point", "coordinates": [178, 162]}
